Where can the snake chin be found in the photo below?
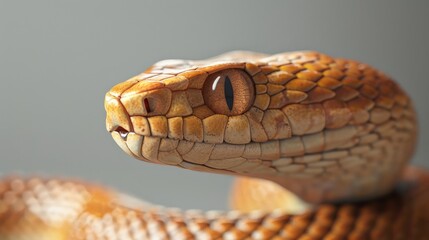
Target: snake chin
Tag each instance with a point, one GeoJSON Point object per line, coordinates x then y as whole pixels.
{"type": "Point", "coordinates": [146, 148]}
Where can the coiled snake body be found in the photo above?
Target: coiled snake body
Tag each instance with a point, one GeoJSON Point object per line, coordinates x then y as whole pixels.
{"type": "Point", "coordinates": [336, 133]}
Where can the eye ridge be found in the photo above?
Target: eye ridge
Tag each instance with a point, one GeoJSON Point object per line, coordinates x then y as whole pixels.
{"type": "Point", "coordinates": [229, 93]}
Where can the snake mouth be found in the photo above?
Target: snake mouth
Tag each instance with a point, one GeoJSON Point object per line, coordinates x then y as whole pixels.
{"type": "Point", "coordinates": [122, 132]}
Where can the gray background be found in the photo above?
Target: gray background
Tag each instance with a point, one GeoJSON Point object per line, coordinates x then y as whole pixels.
{"type": "Point", "coordinates": [57, 60]}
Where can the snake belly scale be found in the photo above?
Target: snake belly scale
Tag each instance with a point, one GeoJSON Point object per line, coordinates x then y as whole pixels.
{"type": "Point", "coordinates": [321, 146]}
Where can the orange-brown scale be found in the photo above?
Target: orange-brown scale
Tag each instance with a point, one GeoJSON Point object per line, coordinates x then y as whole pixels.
{"type": "Point", "coordinates": [104, 214]}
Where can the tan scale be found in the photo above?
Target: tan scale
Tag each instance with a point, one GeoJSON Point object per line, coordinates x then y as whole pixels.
{"type": "Point", "coordinates": [336, 133]}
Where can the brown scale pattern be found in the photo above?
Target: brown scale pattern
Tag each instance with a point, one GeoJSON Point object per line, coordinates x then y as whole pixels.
{"type": "Point", "coordinates": [57, 209]}
{"type": "Point", "coordinates": [327, 129]}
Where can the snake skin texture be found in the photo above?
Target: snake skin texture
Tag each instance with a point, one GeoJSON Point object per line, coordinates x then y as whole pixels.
{"type": "Point", "coordinates": [336, 133]}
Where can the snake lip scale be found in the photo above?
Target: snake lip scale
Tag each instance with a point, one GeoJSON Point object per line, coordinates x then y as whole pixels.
{"type": "Point", "coordinates": [320, 147]}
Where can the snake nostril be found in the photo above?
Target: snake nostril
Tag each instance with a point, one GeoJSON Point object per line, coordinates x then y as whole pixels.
{"type": "Point", "coordinates": [146, 105]}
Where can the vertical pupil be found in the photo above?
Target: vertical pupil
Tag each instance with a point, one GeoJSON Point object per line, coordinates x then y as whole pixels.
{"type": "Point", "coordinates": [229, 93]}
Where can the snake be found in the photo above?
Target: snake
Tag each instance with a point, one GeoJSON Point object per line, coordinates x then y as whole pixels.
{"type": "Point", "coordinates": [320, 147]}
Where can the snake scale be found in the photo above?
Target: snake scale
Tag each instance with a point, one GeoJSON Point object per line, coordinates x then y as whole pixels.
{"type": "Point", "coordinates": [336, 133]}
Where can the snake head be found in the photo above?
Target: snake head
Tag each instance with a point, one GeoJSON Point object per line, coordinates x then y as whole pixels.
{"type": "Point", "coordinates": [212, 115]}
{"type": "Point", "coordinates": [296, 118]}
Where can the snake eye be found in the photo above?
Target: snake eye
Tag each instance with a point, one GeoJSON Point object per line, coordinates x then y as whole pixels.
{"type": "Point", "coordinates": [228, 92]}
